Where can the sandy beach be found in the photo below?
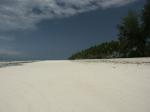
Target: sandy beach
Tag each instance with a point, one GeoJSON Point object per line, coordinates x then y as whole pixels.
{"type": "Point", "coordinates": [121, 85]}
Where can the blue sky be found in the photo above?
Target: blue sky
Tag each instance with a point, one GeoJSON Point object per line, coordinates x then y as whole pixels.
{"type": "Point", "coordinates": [55, 29]}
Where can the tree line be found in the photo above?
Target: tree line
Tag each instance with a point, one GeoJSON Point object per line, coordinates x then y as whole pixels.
{"type": "Point", "coordinates": [133, 39]}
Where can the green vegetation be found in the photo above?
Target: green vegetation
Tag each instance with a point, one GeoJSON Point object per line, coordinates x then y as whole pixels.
{"type": "Point", "coordinates": [104, 50]}
{"type": "Point", "coordinates": [130, 37]}
{"type": "Point", "coordinates": [133, 39]}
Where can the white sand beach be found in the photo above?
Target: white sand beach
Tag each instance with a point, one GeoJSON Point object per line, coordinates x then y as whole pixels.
{"type": "Point", "coordinates": [121, 85]}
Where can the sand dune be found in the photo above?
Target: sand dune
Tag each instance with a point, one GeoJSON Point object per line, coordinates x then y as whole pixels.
{"type": "Point", "coordinates": [121, 85]}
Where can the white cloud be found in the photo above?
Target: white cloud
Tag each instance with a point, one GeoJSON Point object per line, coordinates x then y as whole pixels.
{"type": "Point", "coordinates": [115, 3]}
{"type": "Point", "coordinates": [25, 14]}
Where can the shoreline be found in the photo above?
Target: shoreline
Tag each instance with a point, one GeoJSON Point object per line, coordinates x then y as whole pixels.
{"type": "Point", "coordinates": [13, 63]}
{"type": "Point", "coordinates": [143, 60]}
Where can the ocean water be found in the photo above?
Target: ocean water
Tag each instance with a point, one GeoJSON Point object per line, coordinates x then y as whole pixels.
{"type": "Point", "coordinates": [13, 63]}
